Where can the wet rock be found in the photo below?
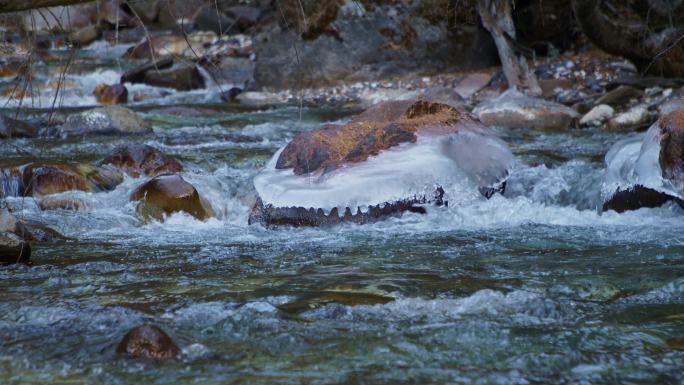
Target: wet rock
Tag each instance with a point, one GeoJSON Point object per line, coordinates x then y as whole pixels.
{"type": "Point", "coordinates": [110, 120]}
{"type": "Point", "coordinates": [147, 341]}
{"type": "Point", "coordinates": [45, 179]}
{"type": "Point", "coordinates": [514, 110]}
{"type": "Point", "coordinates": [167, 194]}
{"type": "Point", "coordinates": [472, 83]}
{"type": "Point", "coordinates": [111, 94]}
{"type": "Point", "coordinates": [620, 95]}
{"type": "Point", "coordinates": [647, 170]}
{"type": "Point", "coordinates": [85, 36]}
{"type": "Point", "coordinates": [13, 247]}
{"type": "Point", "coordinates": [54, 203]}
{"type": "Point", "coordinates": [324, 176]}
{"type": "Point", "coordinates": [137, 160]}
{"type": "Point", "coordinates": [191, 46]}
{"type": "Point", "coordinates": [183, 77]}
{"type": "Point", "coordinates": [137, 74]}
{"type": "Point", "coordinates": [597, 115]}
{"type": "Point", "coordinates": [14, 128]}
{"type": "Point", "coordinates": [633, 118]}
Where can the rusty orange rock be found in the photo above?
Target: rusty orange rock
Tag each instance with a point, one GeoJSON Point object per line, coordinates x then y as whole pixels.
{"type": "Point", "coordinates": [379, 128]}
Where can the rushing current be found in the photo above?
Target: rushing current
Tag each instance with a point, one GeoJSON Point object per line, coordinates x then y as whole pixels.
{"type": "Point", "coordinates": [536, 286]}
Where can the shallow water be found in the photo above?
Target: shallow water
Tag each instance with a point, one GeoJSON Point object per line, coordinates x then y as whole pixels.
{"type": "Point", "coordinates": [532, 287]}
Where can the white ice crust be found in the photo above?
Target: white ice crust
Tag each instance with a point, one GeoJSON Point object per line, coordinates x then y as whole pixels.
{"type": "Point", "coordinates": [459, 163]}
{"type": "Point", "coordinates": [635, 161]}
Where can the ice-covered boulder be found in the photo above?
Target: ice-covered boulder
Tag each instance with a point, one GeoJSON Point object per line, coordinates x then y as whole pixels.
{"type": "Point", "coordinates": [647, 170]}
{"type": "Point", "coordinates": [394, 157]}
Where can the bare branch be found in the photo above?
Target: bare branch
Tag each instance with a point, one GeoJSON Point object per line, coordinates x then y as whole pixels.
{"type": "Point", "coordinates": [23, 5]}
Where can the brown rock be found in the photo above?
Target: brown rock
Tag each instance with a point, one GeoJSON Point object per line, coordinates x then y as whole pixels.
{"type": "Point", "coordinates": [147, 341]}
{"type": "Point", "coordinates": [111, 94]}
{"type": "Point", "coordinates": [136, 160]}
{"type": "Point", "coordinates": [190, 46]}
{"type": "Point", "coordinates": [39, 180]}
{"type": "Point", "coordinates": [387, 125]}
{"type": "Point", "coordinates": [167, 194]}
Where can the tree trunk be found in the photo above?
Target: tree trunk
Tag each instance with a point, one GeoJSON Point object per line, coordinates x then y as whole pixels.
{"type": "Point", "coordinates": [496, 18]}
{"type": "Point", "coordinates": [23, 5]}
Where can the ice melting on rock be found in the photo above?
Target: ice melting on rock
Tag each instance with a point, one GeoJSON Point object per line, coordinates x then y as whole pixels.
{"type": "Point", "coordinates": [459, 162]}
{"type": "Point", "coordinates": [635, 161]}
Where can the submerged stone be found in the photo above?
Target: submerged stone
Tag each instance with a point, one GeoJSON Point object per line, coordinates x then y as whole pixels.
{"type": "Point", "coordinates": [392, 158]}
{"type": "Point", "coordinates": [147, 341]}
{"type": "Point", "coordinates": [647, 170]}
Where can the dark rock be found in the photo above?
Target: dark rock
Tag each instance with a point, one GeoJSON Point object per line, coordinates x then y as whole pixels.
{"type": "Point", "coordinates": [111, 94]}
{"type": "Point", "coordinates": [208, 18]}
{"type": "Point", "coordinates": [167, 194]}
{"type": "Point", "coordinates": [231, 94]}
{"type": "Point", "coordinates": [136, 160]}
{"type": "Point", "coordinates": [244, 16]}
{"type": "Point", "coordinates": [636, 198]}
{"type": "Point", "coordinates": [13, 128]}
{"type": "Point", "coordinates": [110, 120]}
{"type": "Point", "coordinates": [137, 74]}
{"type": "Point", "coordinates": [619, 96]}
{"type": "Point", "coordinates": [182, 77]}
{"type": "Point", "coordinates": [347, 43]}
{"type": "Point", "coordinates": [147, 341]}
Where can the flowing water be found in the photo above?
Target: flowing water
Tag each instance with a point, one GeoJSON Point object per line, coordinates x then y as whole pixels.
{"type": "Point", "coordinates": [532, 287]}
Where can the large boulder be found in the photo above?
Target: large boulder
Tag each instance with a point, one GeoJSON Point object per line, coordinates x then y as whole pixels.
{"type": "Point", "coordinates": [514, 110]}
{"type": "Point", "coordinates": [344, 42]}
{"type": "Point", "coordinates": [147, 341]}
{"type": "Point", "coordinates": [394, 157]}
{"type": "Point", "coordinates": [137, 160]}
{"type": "Point", "coordinates": [164, 195]}
{"type": "Point", "coordinates": [109, 120]}
{"type": "Point", "coordinates": [647, 170]}
{"type": "Point", "coordinates": [39, 179]}
{"type": "Point", "coordinates": [182, 77]}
